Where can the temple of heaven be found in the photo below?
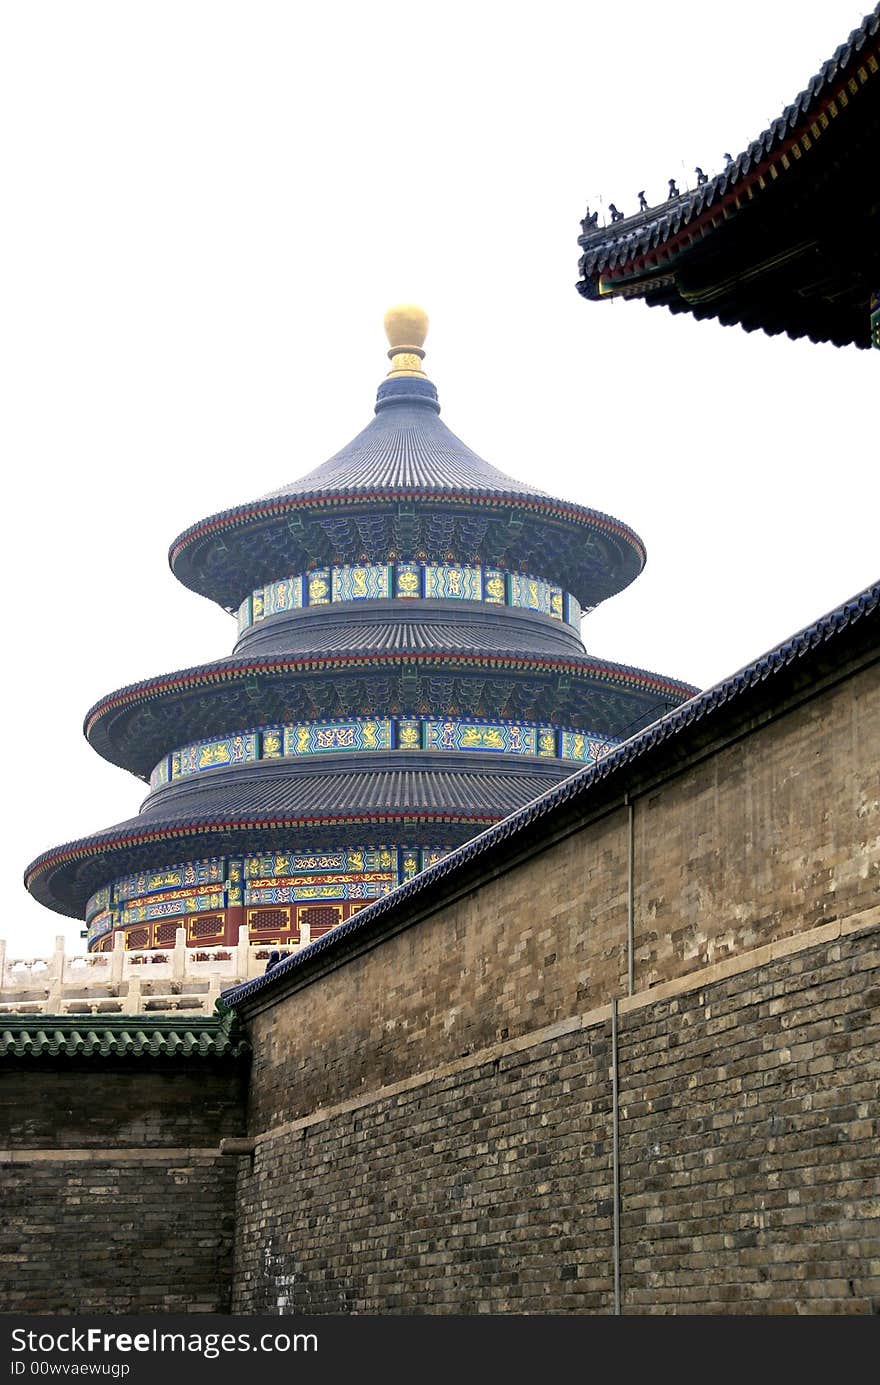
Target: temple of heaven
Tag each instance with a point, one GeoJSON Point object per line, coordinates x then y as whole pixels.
{"type": "Point", "coordinates": [408, 671]}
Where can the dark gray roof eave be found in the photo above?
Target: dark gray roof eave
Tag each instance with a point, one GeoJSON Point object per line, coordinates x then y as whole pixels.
{"type": "Point", "coordinates": [618, 242]}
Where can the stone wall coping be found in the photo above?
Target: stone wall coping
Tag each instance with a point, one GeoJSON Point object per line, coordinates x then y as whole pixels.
{"type": "Point", "coordinates": [134, 1154]}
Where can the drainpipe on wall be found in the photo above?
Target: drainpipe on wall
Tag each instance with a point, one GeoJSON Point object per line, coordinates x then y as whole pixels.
{"type": "Point", "coordinates": [630, 895]}
{"type": "Point", "coordinates": [615, 1147]}
{"type": "Point", "coordinates": [615, 1084]}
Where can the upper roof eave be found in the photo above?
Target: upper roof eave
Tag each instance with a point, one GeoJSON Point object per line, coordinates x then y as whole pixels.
{"type": "Point", "coordinates": [676, 224]}
{"type": "Point", "coordinates": [190, 551]}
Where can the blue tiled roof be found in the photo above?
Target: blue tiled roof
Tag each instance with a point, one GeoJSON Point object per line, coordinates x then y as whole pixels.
{"type": "Point", "coordinates": [134, 726]}
{"type": "Point", "coordinates": [246, 810]}
{"type": "Point", "coordinates": [417, 481]}
{"type": "Point", "coordinates": [341, 634]}
{"type": "Point", "coordinates": [299, 792]}
{"type": "Point", "coordinates": [406, 446]}
{"type": "Point", "coordinates": [823, 634]}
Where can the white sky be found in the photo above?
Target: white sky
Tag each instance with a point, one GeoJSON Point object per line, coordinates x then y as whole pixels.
{"type": "Point", "coordinates": [208, 208]}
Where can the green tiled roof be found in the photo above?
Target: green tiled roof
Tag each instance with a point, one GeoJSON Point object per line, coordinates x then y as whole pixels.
{"type": "Point", "coordinates": [119, 1036]}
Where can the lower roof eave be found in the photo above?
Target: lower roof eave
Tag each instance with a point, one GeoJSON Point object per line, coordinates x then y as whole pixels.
{"type": "Point", "coordinates": [64, 878]}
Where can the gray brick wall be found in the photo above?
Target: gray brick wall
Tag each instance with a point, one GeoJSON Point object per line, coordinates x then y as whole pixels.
{"type": "Point", "coordinates": [749, 1115]}
{"type": "Point", "coordinates": [114, 1198]}
{"type": "Point", "coordinates": [104, 1238]}
{"type": "Point", "coordinates": [749, 1178]}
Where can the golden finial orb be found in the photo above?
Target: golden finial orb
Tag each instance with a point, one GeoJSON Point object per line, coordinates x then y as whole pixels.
{"type": "Point", "coordinates": [406, 326]}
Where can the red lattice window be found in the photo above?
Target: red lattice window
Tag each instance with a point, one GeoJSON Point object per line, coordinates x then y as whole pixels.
{"type": "Point", "coordinates": [274, 921]}
{"type": "Point", "coordinates": [165, 933]}
{"type": "Point", "coordinates": [137, 937]}
{"type": "Point", "coordinates": [208, 926]}
{"type": "Point", "coordinates": [321, 918]}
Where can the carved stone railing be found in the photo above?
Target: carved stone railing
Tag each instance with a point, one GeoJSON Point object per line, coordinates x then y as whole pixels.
{"type": "Point", "coordinates": [185, 978]}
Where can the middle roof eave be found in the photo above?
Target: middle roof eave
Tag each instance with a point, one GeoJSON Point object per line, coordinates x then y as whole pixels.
{"type": "Point", "coordinates": [136, 725]}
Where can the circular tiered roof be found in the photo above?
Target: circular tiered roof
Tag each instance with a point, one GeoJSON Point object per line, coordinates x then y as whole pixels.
{"type": "Point", "coordinates": [409, 670]}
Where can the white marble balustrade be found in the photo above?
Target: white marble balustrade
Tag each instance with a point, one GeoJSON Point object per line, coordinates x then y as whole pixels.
{"type": "Point", "coordinates": [183, 978]}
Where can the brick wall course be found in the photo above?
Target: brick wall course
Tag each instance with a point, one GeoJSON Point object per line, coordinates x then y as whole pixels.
{"type": "Point", "coordinates": [760, 1154]}
{"type": "Point", "coordinates": [773, 835]}
{"type": "Point", "coordinates": [94, 1103]}
{"type": "Point", "coordinates": [410, 1205]}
